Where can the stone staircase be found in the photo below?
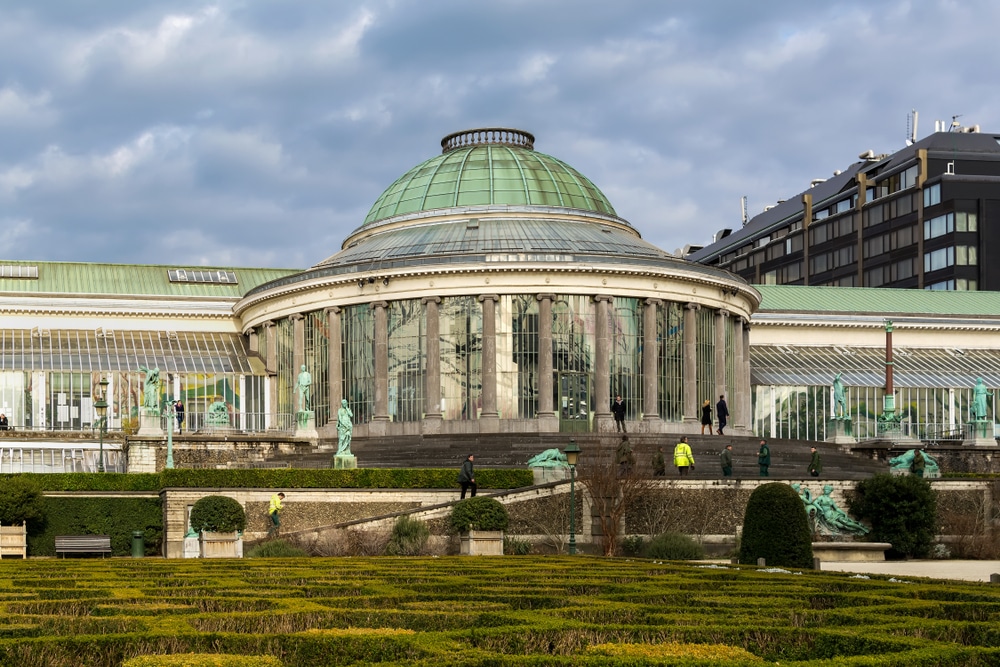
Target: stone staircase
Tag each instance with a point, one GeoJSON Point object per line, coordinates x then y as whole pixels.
{"type": "Point", "coordinates": [789, 458]}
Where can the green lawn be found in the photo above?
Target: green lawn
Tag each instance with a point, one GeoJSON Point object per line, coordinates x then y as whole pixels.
{"type": "Point", "coordinates": [485, 611]}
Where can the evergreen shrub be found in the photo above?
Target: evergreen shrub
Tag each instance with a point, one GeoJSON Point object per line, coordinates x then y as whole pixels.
{"type": "Point", "coordinates": [219, 514]}
{"type": "Point", "coordinates": [21, 501]}
{"type": "Point", "coordinates": [203, 660]}
{"type": "Point", "coordinates": [116, 517]}
{"type": "Point", "coordinates": [902, 510]}
{"type": "Point", "coordinates": [673, 546]}
{"type": "Point", "coordinates": [409, 537]}
{"type": "Point", "coordinates": [514, 546]}
{"type": "Point", "coordinates": [632, 545]}
{"type": "Point", "coordinates": [276, 549]}
{"type": "Point", "coordinates": [479, 513]}
{"type": "Point", "coordinates": [775, 528]}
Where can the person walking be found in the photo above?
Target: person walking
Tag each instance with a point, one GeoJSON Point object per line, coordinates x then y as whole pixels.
{"type": "Point", "coordinates": [467, 477]}
{"type": "Point", "coordinates": [722, 412]}
{"type": "Point", "coordinates": [624, 457]}
{"type": "Point", "coordinates": [179, 413]}
{"type": "Point", "coordinates": [273, 512]}
{"type": "Point", "coordinates": [659, 463]}
{"type": "Point", "coordinates": [763, 458]}
{"type": "Point", "coordinates": [618, 410]}
{"type": "Point", "coordinates": [706, 416]}
{"type": "Point", "coordinates": [726, 459]}
{"type": "Point", "coordinates": [815, 466]}
{"type": "Point", "coordinates": [683, 458]}
{"type": "Point", "coordinates": [918, 464]}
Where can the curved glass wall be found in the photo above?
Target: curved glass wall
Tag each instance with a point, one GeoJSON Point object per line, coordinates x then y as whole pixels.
{"type": "Point", "coordinates": [517, 356]}
{"type": "Point", "coordinates": [284, 343]}
{"type": "Point", "coordinates": [317, 360]}
{"type": "Point", "coordinates": [670, 360]}
{"type": "Point", "coordinates": [625, 355]}
{"type": "Point", "coordinates": [407, 360]}
{"type": "Point", "coordinates": [573, 319]}
{"type": "Point", "coordinates": [357, 330]}
{"type": "Point", "coordinates": [730, 358]}
{"type": "Point", "coordinates": [461, 357]}
{"type": "Point", "coordinates": [705, 355]}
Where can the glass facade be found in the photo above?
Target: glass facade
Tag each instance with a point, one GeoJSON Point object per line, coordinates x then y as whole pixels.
{"type": "Point", "coordinates": [461, 357]}
{"type": "Point", "coordinates": [517, 356]}
{"type": "Point", "coordinates": [625, 329]}
{"type": "Point", "coordinates": [573, 319]}
{"type": "Point", "coordinates": [317, 360]}
{"type": "Point", "coordinates": [407, 360]}
{"type": "Point", "coordinates": [670, 362]}
{"type": "Point", "coordinates": [705, 356]}
{"type": "Point", "coordinates": [357, 330]}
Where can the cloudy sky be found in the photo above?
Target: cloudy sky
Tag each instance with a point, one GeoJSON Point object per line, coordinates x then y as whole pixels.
{"type": "Point", "coordinates": [258, 133]}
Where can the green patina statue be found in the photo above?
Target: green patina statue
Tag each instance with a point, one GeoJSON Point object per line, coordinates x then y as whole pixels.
{"type": "Point", "coordinates": [550, 458]}
{"type": "Point", "coordinates": [151, 390]}
{"type": "Point", "coordinates": [825, 516]}
{"type": "Point", "coordinates": [904, 463]}
{"type": "Point", "coordinates": [979, 402]}
{"type": "Point", "coordinates": [839, 398]}
{"type": "Point", "coordinates": [218, 414]}
{"type": "Point", "coordinates": [345, 429]}
{"type": "Point", "coordinates": [303, 386]}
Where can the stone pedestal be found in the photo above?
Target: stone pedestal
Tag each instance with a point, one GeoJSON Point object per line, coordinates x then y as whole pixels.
{"type": "Point", "coordinates": [482, 543]}
{"type": "Point", "coordinates": [14, 541]}
{"type": "Point", "coordinates": [345, 462]}
{"type": "Point", "coordinates": [305, 425]}
{"type": "Point", "coordinates": [192, 547]}
{"type": "Point", "coordinates": [141, 456]}
{"type": "Point", "coordinates": [150, 425]}
{"type": "Point", "coordinates": [840, 431]}
{"type": "Point", "coordinates": [979, 433]}
{"type": "Point", "coordinates": [855, 552]}
{"type": "Point", "coordinates": [220, 545]}
{"type": "Point", "coordinates": [546, 475]}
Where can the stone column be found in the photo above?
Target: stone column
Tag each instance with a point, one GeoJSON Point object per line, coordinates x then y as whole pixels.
{"type": "Point", "coordinates": [298, 354]}
{"type": "Point", "coordinates": [736, 413]}
{"type": "Point", "coordinates": [548, 420]}
{"type": "Point", "coordinates": [650, 356]}
{"type": "Point", "coordinates": [747, 384]}
{"type": "Point", "coordinates": [489, 417]}
{"type": "Point", "coordinates": [380, 419]}
{"type": "Point", "coordinates": [271, 368]}
{"type": "Point", "coordinates": [335, 359]}
{"type": "Point", "coordinates": [692, 410]}
{"type": "Point", "coordinates": [432, 371]}
{"type": "Point", "coordinates": [721, 320]}
{"type": "Point", "coordinates": [602, 362]}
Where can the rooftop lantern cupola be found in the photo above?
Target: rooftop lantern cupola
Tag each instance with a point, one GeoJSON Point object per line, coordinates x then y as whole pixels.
{"type": "Point", "coordinates": [488, 136]}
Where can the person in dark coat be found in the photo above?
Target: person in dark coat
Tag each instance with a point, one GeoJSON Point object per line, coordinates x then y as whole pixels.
{"type": "Point", "coordinates": [919, 463]}
{"type": "Point", "coordinates": [467, 477]}
{"type": "Point", "coordinates": [726, 459]}
{"type": "Point", "coordinates": [815, 466]}
{"type": "Point", "coordinates": [659, 463]}
{"type": "Point", "coordinates": [179, 413]}
{"type": "Point", "coordinates": [706, 416]}
{"type": "Point", "coordinates": [624, 457]}
{"type": "Point", "coordinates": [722, 412]}
{"type": "Point", "coordinates": [763, 458]}
{"type": "Point", "coordinates": [618, 410]}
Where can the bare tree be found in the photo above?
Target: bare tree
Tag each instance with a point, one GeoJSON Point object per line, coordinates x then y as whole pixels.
{"type": "Point", "coordinates": [613, 490]}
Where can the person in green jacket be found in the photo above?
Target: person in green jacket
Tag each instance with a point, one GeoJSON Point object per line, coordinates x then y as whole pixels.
{"type": "Point", "coordinates": [726, 458]}
{"type": "Point", "coordinates": [815, 467]}
{"type": "Point", "coordinates": [763, 458]}
{"type": "Point", "coordinates": [659, 464]}
{"type": "Point", "coordinates": [919, 463]}
{"type": "Point", "coordinates": [273, 510]}
{"type": "Point", "coordinates": [683, 458]}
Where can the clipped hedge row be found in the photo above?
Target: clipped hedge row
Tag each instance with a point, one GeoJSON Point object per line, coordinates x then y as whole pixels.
{"type": "Point", "coordinates": [287, 478]}
{"type": "Point", "coordinates": [203, 660]}
{"type": "Point", "coordinates": [116, 517]}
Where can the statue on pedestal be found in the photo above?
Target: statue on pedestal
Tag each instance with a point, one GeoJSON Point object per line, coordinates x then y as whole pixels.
{"type": "Point", "coordinates": [979, 396]}
{"type": "Point", "coordinates": [304, 387]}
{"type": "Point", "coordinates": [345, 429]}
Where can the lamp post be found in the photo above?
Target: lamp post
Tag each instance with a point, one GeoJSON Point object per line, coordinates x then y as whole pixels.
{"type": "Point", "coordinates": [101, 405]}
{"type": "Point", "coordinates": [572, 453]}
{"type": "Point", "coordinates": [170, 411]}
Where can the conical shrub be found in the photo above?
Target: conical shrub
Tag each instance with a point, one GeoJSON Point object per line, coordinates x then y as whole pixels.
{"type": "Point", "coordinates": [775, 528]}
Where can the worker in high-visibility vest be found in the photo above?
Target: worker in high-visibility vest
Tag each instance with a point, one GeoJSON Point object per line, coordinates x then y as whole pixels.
{"type": "Point", "coordinates": [273, 511]}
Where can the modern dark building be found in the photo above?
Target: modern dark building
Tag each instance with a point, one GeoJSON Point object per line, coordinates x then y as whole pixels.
{"type": "Point", "coordinates": [921, 218]}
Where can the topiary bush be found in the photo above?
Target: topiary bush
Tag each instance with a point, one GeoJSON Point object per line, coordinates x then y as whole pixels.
{"type": "Point", "coordinates": [218, 514]}
{"type": "Point", "coordinates": [902, 510]}
{"type": "Point", "coordinates": [478, 513]}
{"type": "Point", "coordinates": [408, 537]}
{"type": "Point", "coordinates": [775, 528]}
{"type": "Point", "coordinates": [673, 546]}
{"type": "Point", "coordinates": [21, 501]}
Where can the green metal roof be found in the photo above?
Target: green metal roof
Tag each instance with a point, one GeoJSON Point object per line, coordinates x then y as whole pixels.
{"type": "Point", "coordinates": [485, 175]}
{"type": "Point", "coordinates": [876, 300]}
{"type": "Point", "coordinates": [130, 280]}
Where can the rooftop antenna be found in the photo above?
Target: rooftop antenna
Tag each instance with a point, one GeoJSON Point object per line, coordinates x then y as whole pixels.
{"type": "Point", "coordinates": [911, 127]}
{"type": "Point", "coordinates": [743, 205]}
{"type": "Point", "coordinates": [955, 125]}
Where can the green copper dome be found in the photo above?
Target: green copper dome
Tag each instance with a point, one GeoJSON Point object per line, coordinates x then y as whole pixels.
{"type": "Point", "coordinates": [489, 167]}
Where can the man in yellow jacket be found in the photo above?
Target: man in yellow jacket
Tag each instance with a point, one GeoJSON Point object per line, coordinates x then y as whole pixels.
{"type": "Point", "coordinates": [273, 510]}
{"type": "Point", "coordinates": [683, 458]}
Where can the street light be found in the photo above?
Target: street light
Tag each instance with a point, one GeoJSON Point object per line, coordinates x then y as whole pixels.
{"type": "Point", "coordinates": [101, 405]}
{"type": "Point", "coordinates": [572, 453]}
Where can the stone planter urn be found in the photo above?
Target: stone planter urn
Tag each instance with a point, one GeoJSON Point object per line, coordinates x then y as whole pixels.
{"type": "Point", "coordinates": [221, 545]}
{"type": "Point", "coordinates": [481, 543]}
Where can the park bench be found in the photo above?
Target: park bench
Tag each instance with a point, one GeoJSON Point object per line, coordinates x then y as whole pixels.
{"type": "Point", "coordinates": [83, 544]}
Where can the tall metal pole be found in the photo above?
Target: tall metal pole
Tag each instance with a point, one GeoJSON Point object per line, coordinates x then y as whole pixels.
{"type": "Point", "coordinates": [100, 460]}
{"type": "Point", "coordinates": [572, 510]}
{"type": "Point", "coordinates": [168, 409]}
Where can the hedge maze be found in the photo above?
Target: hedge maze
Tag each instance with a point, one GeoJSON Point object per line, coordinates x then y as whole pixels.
{"type": "Point", "coordinates": [481, 612]}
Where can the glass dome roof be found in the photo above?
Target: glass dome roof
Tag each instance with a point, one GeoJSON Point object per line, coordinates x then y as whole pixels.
{"type": "Point", "coordinates": [493, 166]}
